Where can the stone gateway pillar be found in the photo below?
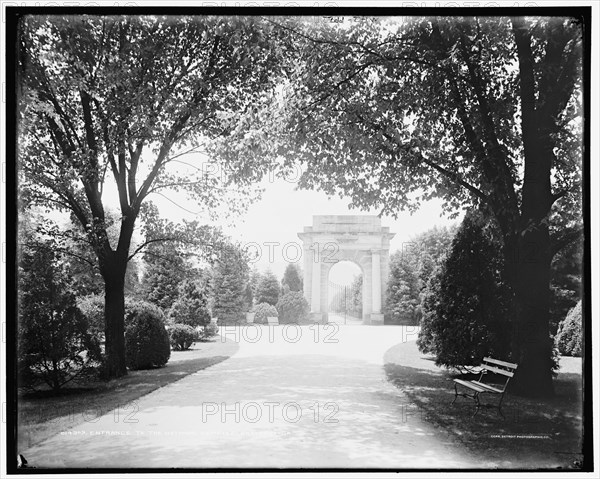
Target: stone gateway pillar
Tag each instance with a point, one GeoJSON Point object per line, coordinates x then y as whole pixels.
{"type": "Point", "coordinates": [357, 238]}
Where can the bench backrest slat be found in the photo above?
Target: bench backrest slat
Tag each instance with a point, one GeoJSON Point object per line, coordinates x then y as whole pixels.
{"type": "Point", "coordinates": [500, 363]}
{"type": "Point", "coordinates": [497, 370]}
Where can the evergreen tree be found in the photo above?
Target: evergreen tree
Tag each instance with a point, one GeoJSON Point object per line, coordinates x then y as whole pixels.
{"type": "Point", "coordinates": [166, 269]}
{"type": "Point", "coordinates": [465, 308]}
{"type": "Point", "coordinates": [255, 276]}
{"type": "Point", "coordinates": [191, 306]}
{"type": "Point", "coordinates": [230, 281]}
{"type": "Point", "coordinates": [268, 289]}
{"type": "Point", "coordinates": [292, 277]}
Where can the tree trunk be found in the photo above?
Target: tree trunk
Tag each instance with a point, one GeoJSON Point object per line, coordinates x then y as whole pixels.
{"type": "Point", "coordinates": [114, 316]}
{"type": "Point", "coordinates": [528, 273]}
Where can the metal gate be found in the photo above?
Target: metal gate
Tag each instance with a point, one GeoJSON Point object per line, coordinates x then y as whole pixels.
{"type": "Point", "coordinates": [342, 303]}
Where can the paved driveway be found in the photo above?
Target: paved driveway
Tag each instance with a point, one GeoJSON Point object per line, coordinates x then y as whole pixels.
{"type": "Point", "coordinates": [294, 397]}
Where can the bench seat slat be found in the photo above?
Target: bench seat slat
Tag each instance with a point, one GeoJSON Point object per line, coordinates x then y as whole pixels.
{"type": "Point", "coordinates": [470, 385]}
{"type": "Point", "coordinates": [491, 388]}
{"type": "Point", "coordinates": [498, 370]}
{"type": "Point", "coordinates": [500, 363]}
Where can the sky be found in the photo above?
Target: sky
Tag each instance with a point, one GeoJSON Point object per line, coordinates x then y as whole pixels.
{"type": "Point", "coordinates": [274, 221]}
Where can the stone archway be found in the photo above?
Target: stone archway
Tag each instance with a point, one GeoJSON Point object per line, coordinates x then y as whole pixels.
{"type": "Point", "coordinates": [357, 238]}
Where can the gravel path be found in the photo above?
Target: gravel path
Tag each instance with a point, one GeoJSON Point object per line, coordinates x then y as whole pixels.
{"type": "Point", "coordinates": [293, 397]}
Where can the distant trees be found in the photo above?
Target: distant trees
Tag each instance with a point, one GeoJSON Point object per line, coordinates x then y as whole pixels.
{"type": "Point", "coordinates": [410, 270]}
{"type": "Point", "coordinates": [356, 299]}
{"type": "Point", "coordinates": [348, 298]}
{"type": "Point", "coordinates": [191, 306]}
{"type": "Point", "coordinates": [292, 278]}
{"type": "Point", "coordinates": [229, 284]}
{"type": "Point", "coordinates": [165, 269]}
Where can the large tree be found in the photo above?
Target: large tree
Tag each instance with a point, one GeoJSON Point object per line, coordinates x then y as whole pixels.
{"type": "Point", "coordinates": [481, 112]}
{"type": "Point", "coordinates": [117, 99]}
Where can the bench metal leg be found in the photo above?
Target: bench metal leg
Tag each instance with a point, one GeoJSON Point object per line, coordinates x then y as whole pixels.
{"type": "Point", "coordinates": [500, 405]}
{"type": "Point", "coordinates": [477, 404]}
{"type": "Point", "coordinates": [455, 394]}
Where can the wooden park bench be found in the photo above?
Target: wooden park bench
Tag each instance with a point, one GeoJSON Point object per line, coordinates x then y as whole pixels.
{"type": "Point", "coordinates": [489, 365]}
{"type": "Point", "coordinates": [272, 320]}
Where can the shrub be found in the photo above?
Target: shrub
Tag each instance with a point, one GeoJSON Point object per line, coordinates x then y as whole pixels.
{"type": "Point", "coordinates": [210, 330]}
{"type": "Point", "coordinates": [92, 307]}
{"type": "Point", "coordinates": [465, 305]}
{"type": "Point", "coordinates": [292, 307]}
{"type": "Point", "coordinates": [569, 336]}
{"type": "Point", "coordinates": [263, 311]}
{"type": "Point", "coordinates": [191, 306]}
{"type": "Point", "coordinates": [54, 343]}
{"type": "Point", "coordinates": [147, 342]}
{"type": "Point", "coordinates": [182, 336]}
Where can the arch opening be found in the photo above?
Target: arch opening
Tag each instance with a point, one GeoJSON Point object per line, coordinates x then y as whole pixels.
{"type": "Point", "coordinates": [345, 293]}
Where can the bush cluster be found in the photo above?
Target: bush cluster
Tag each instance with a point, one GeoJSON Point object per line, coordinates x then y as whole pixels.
{"type": "Point", "coordinates": [264, 311]}
{"type": "Point", "coordinates": [569, 337]}
{"type": "Point", "coordinates": [210, 330]}
{"type": "Point", "coordinates": [147, 343]}
{"type": "Point", "coordinates": [182, 336]}
{"type": "Point", "coordinates": [292, 307]}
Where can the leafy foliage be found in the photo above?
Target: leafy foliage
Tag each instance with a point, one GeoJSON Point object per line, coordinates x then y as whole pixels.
{"type": "Point", "coordinates": [55, 344]}
{"type": "Point", "coordinates": [569, 339]}
{"type": "Point", "coordinates": [117, 100]}
{"type": "Point", "coordinates": [565, 284]}
{"type": "Point", "coordinates": [267, 290]}
{"type": "Point", "coordinates": [466, 301]}
{"type": "Point", "coordinates": [292, 308]}
{"type": "Point", "coordinates": [147, 343]}
{"type": "Point", "coordinates": [292, 277]}
{"type": "Point", "coordinates": [480, 112]}
{"type": "Point", "coordinates": [170, 255]}
{"type": "Point", "coordinates": [191, 307]}
{"type": "Point", "coordinates": [264, 311]}
{"type": "Point", "coordinates": [182, 336]}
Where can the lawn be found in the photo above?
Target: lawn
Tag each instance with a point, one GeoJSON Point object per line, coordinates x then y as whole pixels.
{"type": "Point", "coordinates": [535, 434]}
{"type": "Point", "coordinates": [42, 415]}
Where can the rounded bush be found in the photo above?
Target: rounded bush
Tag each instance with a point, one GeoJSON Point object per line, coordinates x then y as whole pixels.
{"type": "Point", "coordinates": [292, 307]}
{"type": "Point", "coordinates": [210, 330]}
{"type": "Point", "coordinates": [92, 307]}
{"type": "Point", "coordinates": [263, 311]}
{"type": "Point", "coordinates": [182, 336]}
{"type": "Point", "coordinates": [569, 336]}
{"type": "Point", "coordinates": [147, 342]}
